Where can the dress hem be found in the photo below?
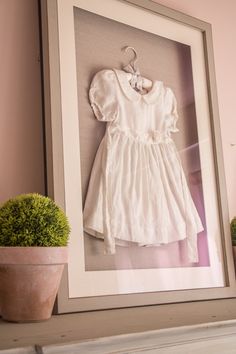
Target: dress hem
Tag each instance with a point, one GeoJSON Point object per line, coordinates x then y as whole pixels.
{"type": "Point", "coordinates": [126, 243]}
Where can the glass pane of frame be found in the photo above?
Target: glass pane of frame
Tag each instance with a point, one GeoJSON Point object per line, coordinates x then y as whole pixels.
{"type": "Point", "coordinates": [167, 214]}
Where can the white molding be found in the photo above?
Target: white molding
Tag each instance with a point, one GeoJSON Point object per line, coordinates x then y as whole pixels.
{"type": "Point", "coordinates": [217, 338]}
{"type": "Point", "coordinates": [23, 350]}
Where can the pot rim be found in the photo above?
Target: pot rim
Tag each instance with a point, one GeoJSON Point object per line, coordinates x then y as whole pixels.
{"type": "Point", "coordinates": [33, 255]}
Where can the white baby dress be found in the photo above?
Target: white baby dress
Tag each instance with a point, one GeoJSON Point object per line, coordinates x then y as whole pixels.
{"type": "Point", "coordinates": [137, 191]}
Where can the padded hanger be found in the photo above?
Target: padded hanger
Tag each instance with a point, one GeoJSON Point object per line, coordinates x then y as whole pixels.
{"type": "Point", "coordinates": [137, 82]}
{"type": "Point", "coordinates": [133, 61]}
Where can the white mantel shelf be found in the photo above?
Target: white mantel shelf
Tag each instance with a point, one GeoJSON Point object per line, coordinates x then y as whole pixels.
{"type": "Point", "coordinates": [207, 338]}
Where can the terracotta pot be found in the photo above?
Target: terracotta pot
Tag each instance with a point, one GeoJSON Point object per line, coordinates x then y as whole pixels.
{"type": "Point", "coordinates": [29, 281]}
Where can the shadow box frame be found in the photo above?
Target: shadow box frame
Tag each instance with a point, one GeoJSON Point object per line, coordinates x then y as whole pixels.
{"type": "Point", "coordinates": [62, 177]}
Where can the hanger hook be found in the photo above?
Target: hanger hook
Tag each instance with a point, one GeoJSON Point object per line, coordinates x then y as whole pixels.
{"type": "Point", "coordinates": [135, 59]}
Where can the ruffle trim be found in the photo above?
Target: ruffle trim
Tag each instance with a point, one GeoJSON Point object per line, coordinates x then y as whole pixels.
{"type": "Point", "coordinates": [98, 112]}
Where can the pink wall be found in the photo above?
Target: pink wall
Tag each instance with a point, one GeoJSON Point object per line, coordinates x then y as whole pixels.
{"type": "Point", "coordinates": [21, 142]}
{"type": "Point", "coordinates": [221, 14]}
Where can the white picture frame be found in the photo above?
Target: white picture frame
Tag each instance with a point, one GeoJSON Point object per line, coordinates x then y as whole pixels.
{"type": "Point", "coordinates": [82, 290]}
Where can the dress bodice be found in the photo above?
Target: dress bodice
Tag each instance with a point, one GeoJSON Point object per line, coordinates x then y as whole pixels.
{"type": "Point", "coordinates": [115, 101]}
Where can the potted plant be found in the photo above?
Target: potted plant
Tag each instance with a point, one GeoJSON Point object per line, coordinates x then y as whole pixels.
{"type": "Point", "coordinates": [34, 233]}
{"type": "Point", "coordinates": [233, 236]}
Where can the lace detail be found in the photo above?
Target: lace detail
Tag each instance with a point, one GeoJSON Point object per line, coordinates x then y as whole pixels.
{"type": "Point", "coordinates": [150, 137]}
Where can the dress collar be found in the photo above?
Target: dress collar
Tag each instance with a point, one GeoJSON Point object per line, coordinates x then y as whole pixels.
{"type": "Point", "coordinates": [133, 95]}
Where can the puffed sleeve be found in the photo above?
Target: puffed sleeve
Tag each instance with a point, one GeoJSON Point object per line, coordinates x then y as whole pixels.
{"type": "Point", "coordinates": [102, 96]}
{"type": "Point", "coordinates": [171, 113]}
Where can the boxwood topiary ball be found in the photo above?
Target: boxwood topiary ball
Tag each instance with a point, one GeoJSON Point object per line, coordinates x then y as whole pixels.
{"type": "Point", "coordinates": [33, 220]}
{"type": "Point", "coordinates": [233, 231]}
